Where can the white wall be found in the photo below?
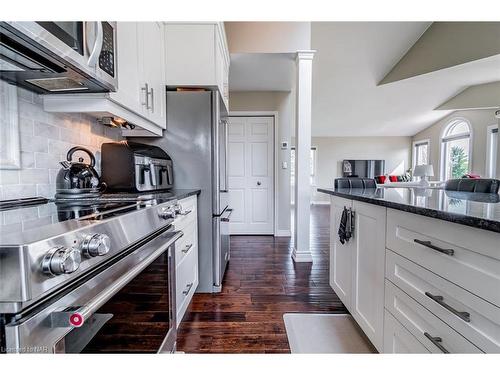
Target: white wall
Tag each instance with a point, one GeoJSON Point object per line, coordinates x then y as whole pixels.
{"type": "Point", "coordinates": [284, 103]}
{"type": "Point", "coordinates": [480, 120]}
{"type": "Point", "coordinates": [396, 151]}
{"type": "Point", "coordinates": [268, 37]}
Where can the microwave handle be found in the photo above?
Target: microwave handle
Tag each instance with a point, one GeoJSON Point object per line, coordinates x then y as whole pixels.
{"type": "Point", "coordinates": [94, 48]}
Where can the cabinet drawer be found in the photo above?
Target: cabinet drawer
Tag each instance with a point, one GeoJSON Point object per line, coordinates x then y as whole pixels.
{"type": "Point", "coordinates": [474, 264]}
{"type": "Point", "coordinates": [433, 333]}
{"type": "Point", "coordinates": [187, 243]}
{"type": "Point", "coordinates": [186, 277]}
{"type": "Point", "coordinates": [190, 213]}
{"type": "Point", "coordinates": [397, 339]}
{"type": "Point", "coordinates": [448, 302]}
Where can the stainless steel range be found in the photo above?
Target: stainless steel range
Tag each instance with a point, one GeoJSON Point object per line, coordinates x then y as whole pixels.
{"type": "Point", "coordinates": [83, 270]}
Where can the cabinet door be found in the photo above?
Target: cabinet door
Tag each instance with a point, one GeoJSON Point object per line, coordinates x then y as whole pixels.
{"type": "Point", "coordinates": [128, 93]}
{"type": "Point", "coordinates": [340, 254]}
{"type": "Point", "coordinates": [368, 257]}
{"type": "Point", "coordinates": [190, 54]}
{"type": "Point", "coordinates": [152, 67]}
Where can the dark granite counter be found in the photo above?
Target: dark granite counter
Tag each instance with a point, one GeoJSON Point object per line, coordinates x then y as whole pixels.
{"type": "Point", "coordinates": [478, 210]}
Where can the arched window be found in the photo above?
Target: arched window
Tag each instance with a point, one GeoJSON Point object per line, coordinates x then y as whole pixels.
{"type": "Point", "coordinates": [456, 149]}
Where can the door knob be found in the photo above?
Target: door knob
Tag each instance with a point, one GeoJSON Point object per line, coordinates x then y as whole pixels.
{"type": "Point", "coordinates": [259, 183]}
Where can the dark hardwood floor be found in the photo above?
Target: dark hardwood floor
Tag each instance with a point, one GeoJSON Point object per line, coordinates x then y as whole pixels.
{"type": "Point", "coordinates": [261, 284]}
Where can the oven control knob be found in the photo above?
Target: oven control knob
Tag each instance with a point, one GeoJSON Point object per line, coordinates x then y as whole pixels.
{"type": "Point", "coordinates": [61, 260]}
{"type": "Point", "coordinates": [167, 213]}
{"type": "Point", "coordinates": [95, 245]}
{"type": "Point", "coordinates": [178, 208]}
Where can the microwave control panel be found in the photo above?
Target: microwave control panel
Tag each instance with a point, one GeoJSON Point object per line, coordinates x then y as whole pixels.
{"type": "Point", "coordinates": [107, 56]}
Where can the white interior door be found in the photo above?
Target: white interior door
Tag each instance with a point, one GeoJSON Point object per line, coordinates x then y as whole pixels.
{"type": "Point", "coordinates": [251, 174]}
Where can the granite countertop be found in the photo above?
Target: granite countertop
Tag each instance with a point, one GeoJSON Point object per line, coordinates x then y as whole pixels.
{"type": "Point", "coordinates": [478, 210]}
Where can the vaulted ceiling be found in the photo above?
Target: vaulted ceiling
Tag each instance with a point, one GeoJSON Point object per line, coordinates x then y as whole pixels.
{"type": "Point", "coordinates": [352, 58]}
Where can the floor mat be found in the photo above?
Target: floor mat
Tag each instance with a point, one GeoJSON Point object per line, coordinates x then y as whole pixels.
{"type": "Point", "coordinates": [325, 333]}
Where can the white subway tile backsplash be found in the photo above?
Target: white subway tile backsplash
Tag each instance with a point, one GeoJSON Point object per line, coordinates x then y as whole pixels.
{"type": "Point", "coordinates": [34, 176]}
{"type": "Point", "coordinates": [45, 190]}
{"type": "Point", "coordinates": [25, 126]}
{"type": "Point", "coordinates": [47, 161]}
{"type": "Point", "coordinates": [45, 140]}
{"type": "Point", "coordinates": [27, 160]}
{"type": "Point", "coordinates": [46, 130]}
{"type": "Point", "coordinates": [70, 135]}
{"type": "Point", "coordinates": [9, 177]}
{"type": "Point", "coordinates": [19, 191]}
{"type": "Point", "coordinates": [34, 144]}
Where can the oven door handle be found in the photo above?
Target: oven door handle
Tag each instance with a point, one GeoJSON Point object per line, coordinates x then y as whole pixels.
{"type": "Point", "coordinates": [76, 316]}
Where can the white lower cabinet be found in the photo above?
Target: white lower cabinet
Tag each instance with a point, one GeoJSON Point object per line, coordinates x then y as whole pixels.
{"type": "Point", "coordinates": [357, 267]}
{"type": "Point", "coordinates": [397, 339]}
{"type": "Point", "coordinates": [415, 284]}
{"type": "Point", "coordinates": [368, 265]}
{"type": "Point", "coordinates": [340, 254]}
{"type": "Point", "coordinates": [186, 256]}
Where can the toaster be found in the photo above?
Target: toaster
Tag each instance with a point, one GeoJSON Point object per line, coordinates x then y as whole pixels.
{"type": "Point", "coordinates": [135, 167]}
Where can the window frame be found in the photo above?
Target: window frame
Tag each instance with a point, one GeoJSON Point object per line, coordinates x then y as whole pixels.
{"type": "Point", "coordinates": [443, 139]}
{"type": "Point", "coordinates": [414, 149]}
{"type": "Point", "coordinates": [490, 130]}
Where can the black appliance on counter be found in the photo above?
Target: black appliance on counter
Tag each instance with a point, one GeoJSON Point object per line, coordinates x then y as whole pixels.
{"type": "Point", "coordinates": [363, 168]}
{"type": "Point", "coordinates": [135, 167]}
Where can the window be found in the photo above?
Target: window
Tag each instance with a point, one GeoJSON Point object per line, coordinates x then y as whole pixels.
{"type": "Point", "coordinates": [421, 152]}
{"type": "Point", "coordinates": [455, 150]}
{"type": "Point", "coordinates": [491, 151]}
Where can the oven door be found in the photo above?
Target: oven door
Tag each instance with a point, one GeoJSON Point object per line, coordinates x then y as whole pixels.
{"type": "Point", "coordinates": [127, 307]}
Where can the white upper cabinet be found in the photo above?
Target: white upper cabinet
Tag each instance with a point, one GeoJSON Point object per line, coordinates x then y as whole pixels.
{"type": "Point", "coordinates": [197, 56]}
{"type": "Point", "coordinates": [140, 96]}
{"type": "Point", "coordinates": [152, 70]}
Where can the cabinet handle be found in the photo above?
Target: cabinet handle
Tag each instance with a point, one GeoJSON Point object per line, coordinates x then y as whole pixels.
{"type": "Point", "coordinates": [429, 244]}
{"type": "Point", "coordinates": [187, 248]}
{"type": "Point", "coordinates": [152, 106]}
{"type": "Point", "coordinates": [464, 315]}
{"type": "Point", "coordinates": [436, 341]}
{"type": "Point", "coordinates": [188, 288]}
{"type": "Point", "coordinates": [145, 89]}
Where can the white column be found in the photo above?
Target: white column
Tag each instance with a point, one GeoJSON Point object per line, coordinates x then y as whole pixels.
{"type": "Point", "coordinates": [303, 94]}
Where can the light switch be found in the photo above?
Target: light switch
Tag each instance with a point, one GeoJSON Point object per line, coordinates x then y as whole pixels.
{"type": "Point", "coordinates": [284, 165]}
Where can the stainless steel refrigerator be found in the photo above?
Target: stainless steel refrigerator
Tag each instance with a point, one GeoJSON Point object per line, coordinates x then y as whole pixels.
{"type": "Point", "coordinates": [196, 140]}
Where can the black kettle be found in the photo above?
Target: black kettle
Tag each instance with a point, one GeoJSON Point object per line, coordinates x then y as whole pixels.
{"type": "Point", "coordinates": [78, 178]}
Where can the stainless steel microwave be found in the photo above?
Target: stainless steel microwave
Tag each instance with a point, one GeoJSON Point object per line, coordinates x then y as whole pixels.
{"type": "Point", "coordinates": [59, 57]}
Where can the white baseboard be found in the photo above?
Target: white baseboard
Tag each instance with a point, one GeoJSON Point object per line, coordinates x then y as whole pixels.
{"type": "Point", "coordinates": [283, 233]}
{"type": "Point", "coordinates": [300, 257]}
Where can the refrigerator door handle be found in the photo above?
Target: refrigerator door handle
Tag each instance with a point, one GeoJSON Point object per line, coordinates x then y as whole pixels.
{"type": "Point", "coordinates": [226, 156]}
